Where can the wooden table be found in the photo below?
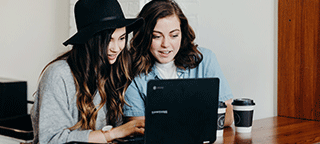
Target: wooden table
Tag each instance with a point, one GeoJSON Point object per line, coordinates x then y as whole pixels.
{"type": "Point", "coordinates": [275, 130]}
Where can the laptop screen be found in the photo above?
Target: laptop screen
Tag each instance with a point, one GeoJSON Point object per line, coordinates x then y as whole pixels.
{"type": "Point", "coordinates": [181, 110]}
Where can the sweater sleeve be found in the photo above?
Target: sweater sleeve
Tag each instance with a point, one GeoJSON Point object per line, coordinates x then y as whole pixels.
{"type": "Point", "coordinates": [54, 108]}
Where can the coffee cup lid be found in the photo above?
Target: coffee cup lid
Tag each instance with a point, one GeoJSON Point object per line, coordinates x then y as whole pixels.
{"type": "Point", "coordinates": [222, 105]}
{"type": "Point", "coordinates": [243, 101]}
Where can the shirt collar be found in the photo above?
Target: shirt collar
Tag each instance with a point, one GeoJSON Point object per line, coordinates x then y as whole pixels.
{"type": "Point", "coordinates": [154, 74]}
{"type": "Point", "coordinates": [182, 72]}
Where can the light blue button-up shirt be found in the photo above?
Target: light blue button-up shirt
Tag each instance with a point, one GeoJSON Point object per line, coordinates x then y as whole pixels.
{"type": "Point", "coordinates": [209, 67]}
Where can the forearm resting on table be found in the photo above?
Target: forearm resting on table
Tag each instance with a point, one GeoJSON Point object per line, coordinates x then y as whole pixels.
{"type": "Point", "coordinates": [98, 136]}
{"type": "Point", "coordinates": [229, 113]}
{"type": "Point", "coordinates": [127, 119]}
{"type": "Point", "coordinates": [132, 127]}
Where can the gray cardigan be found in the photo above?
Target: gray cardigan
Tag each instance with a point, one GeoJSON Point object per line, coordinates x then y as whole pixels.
{"type": "Point", "coordinates": [55, 109]}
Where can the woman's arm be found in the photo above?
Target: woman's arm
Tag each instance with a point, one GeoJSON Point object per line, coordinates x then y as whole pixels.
{"type": "Point", "coordinates": [127, 119]}
{"type": "Point", "coordinates": [134, 127]}
{"type": "Point", "coordinates": [229, 113]}
{"type": "Point", "coordinates": [135, 98]}
{"type": "Point", "coordinates": [212, 69]}
{"type": "Point", "coordinates": [55, 110]}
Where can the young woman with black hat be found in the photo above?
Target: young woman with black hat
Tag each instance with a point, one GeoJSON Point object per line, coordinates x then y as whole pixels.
{"type": "Point", "coordinates": [164, 49]}
{"type": "Point", "coordinates": [82, 91]}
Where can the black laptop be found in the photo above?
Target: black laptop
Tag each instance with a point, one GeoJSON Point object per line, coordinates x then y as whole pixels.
{"type": "Point", "coordinates": [181, 111]}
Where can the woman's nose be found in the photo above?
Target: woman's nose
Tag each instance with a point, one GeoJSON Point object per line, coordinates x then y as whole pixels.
{"type": "Point", "coordinates": [165, 42]}
{"type": "Point", "coordinates": [114, 47]}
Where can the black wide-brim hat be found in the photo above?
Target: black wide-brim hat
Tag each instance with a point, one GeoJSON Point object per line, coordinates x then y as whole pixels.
{"type": "Point", "coordinates": [93, 16]}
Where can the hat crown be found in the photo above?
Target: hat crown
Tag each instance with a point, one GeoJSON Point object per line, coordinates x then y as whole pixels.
{"type": "Point", "coordinates": [93, 16]}
{"type": "Point", "coordinates": [87, 12]}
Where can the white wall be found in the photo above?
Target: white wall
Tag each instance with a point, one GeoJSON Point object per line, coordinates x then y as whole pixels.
{"type": "Point", "coordinates": [243, 36]}
{"type": "Point", "coordinates": [241, 33]}
{"type": "Point", "coordinates": [31, 33]}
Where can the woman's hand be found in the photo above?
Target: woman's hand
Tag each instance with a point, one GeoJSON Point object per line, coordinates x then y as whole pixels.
{"type": "Point", "coordinates": [134, 127]}
{"type": "Point", "coordinates": [229, 113]}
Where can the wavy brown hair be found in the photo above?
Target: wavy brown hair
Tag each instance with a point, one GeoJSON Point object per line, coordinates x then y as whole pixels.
{"type": "Point", "coordinates": [188, 55]}
{"type": "Point", "coordinates": [93, 74]}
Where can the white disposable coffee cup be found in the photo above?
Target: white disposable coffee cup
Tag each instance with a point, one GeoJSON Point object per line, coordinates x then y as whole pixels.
{"type": "Point", "coordinates": [243, 114]}
{"type": "Point", "coordinates": [221, 117]}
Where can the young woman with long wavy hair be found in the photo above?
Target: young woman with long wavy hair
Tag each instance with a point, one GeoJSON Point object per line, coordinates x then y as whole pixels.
{"type": "Point", "coordinates": [82, 91]}
{"type": "Point", "coordinates": [164, 48]}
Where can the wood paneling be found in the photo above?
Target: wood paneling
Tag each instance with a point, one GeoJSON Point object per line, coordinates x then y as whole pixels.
{"type": "Point", "coordinates": [298, 59]}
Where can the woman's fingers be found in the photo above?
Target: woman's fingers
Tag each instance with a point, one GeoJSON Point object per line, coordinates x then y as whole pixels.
{"type": "Point", "coordinates": [134, 127]}
{"type": "Point", "coordinates": [139, 131]}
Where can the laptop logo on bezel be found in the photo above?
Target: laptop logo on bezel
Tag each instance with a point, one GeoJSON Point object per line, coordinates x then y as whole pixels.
{"type": "Point", "coordinates": [159, 112]}
{"type": "Point", "coordinates": [157, 87]}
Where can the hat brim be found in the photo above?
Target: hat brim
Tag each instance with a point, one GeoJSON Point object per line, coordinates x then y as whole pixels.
{"type": "Point", "coordinates": [86, 33]}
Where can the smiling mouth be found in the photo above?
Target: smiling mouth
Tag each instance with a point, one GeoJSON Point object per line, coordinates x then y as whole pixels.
{"type": "Point", "coordinates": [112, 56]}
{"type": "Point", "coordinates": [165, 52]}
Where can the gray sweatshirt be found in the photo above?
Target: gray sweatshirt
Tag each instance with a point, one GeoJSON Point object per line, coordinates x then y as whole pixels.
{"type": "Point", "coordinates": [55, 109]}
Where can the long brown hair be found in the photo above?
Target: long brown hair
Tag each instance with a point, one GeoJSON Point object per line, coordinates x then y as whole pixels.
{"type": "Point", "coordinates": [187, 57]}
{"type": "Point", "coordinates": [93, 74]}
